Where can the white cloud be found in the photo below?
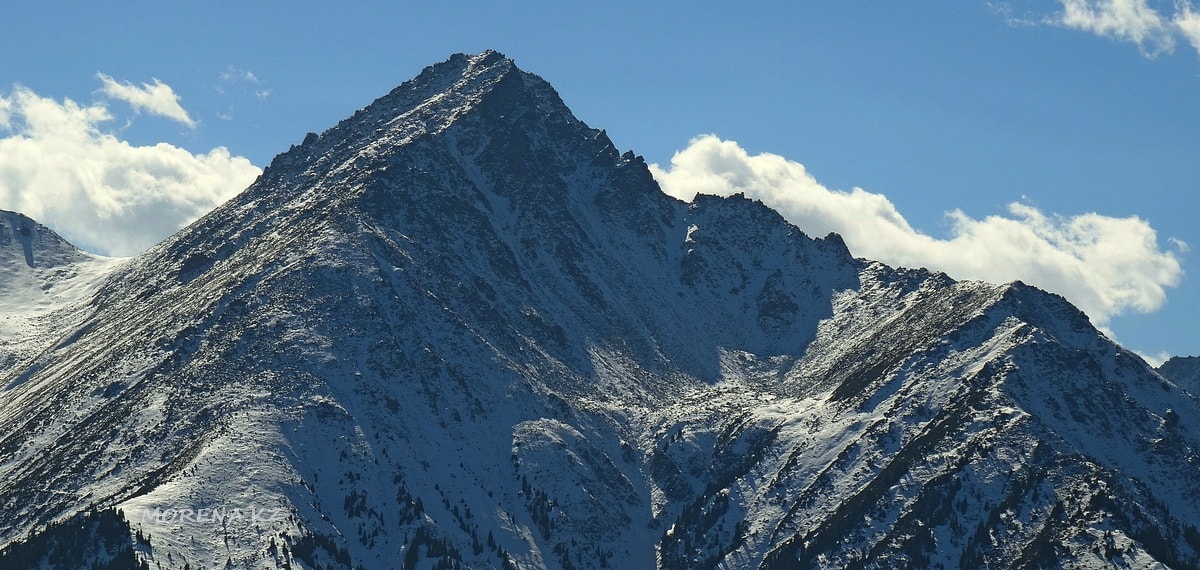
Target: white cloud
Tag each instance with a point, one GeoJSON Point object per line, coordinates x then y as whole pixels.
{"type": "Point", "coordinates": [1187, 21]}
{"type": "Point", "coordinates": [238, 85]}
{"type": "Point", "coordinates": [233, 74]}
{"type": "Point", "coordinates": [1107, 266]}
{"type": "Point", "coordinates": [58, 166]}
{"type": "Point", "coordinates": [1006, 11]}
{"type": "Point", "coordinates": [5, 113]}
{"type": "Point", "coordinates": [1127, 20]}
{"type": "Point", "coordinates": [1154, 359]}
{"type": "Point", "coordinates": [157, 99]}
{"type": "Point", "coordinates": [1134, 21]}
{"type": "Point", "coordinates": [241, 81]}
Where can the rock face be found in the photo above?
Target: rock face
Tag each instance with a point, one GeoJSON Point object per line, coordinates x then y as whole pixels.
{"type": "Point", "coordinates": [461, 328]}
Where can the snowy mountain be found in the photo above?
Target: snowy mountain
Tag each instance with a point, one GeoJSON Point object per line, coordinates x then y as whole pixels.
{"type": "Point", "coordinates": [40, 273]}
{"type": "Point", "coordinates": [460, 329]}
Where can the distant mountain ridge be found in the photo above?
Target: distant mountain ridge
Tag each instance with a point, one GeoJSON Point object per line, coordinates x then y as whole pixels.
{"type": "Point", "coordinates": [461, 329]}
{"type": "Point", "coordinates": [1183, 370]}
{"type": "Point", "coordinates": [25, 240]}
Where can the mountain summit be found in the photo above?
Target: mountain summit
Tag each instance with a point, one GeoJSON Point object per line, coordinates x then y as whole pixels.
{"type": "Point", "coordinates": [461, 329]}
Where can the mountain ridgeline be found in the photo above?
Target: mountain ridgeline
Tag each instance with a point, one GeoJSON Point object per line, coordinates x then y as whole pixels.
{"type": "Point", "coordinates": [460, 329]}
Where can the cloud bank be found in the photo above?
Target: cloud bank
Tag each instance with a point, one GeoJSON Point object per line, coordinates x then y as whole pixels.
{"type": "Point", "coordinates": [1106, 266]}
{"type": "Point", "coordinates": [59, 166]}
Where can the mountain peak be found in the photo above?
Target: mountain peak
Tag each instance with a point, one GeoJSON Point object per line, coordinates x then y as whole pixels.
{"type": "Point", "coordinates": [426, 104]}
{"type": "Point", "coordinates": [444, 90]}
{"type": "Point", "coordinates": [481, 131]}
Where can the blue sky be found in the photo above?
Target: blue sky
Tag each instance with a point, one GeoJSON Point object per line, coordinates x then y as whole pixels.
{"type": "Point", "coordinates": [974, 130]}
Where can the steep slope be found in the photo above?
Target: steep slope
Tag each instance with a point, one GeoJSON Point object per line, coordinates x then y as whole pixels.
{"type": "Point", "coordinates": [40, 273]}
{"type": "Point", "coordinates": [461, 326]}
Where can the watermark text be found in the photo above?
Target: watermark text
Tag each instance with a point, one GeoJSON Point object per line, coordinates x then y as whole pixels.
{"type": "Point", "coordinates": [220, 515]}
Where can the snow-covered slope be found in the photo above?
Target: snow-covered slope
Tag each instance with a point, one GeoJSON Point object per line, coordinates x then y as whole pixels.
{"type": "Point", "coordinates": [461, 328]}
{"type": "Point", "coordinates": [40, 274]}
